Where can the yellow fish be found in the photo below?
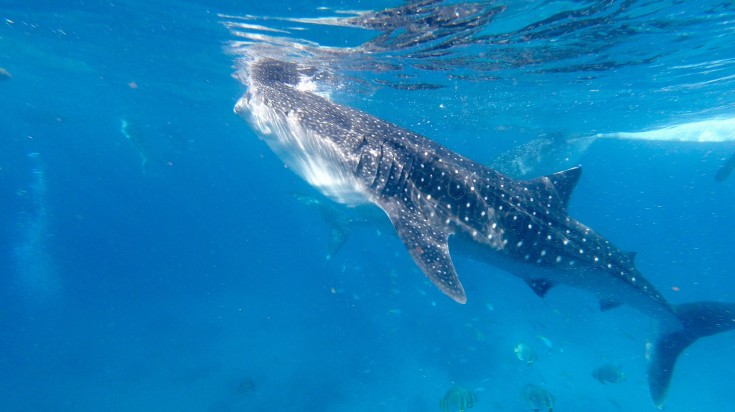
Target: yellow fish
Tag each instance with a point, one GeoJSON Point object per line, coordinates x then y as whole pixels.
{"type": "Point", "coordinates": [457, 399]}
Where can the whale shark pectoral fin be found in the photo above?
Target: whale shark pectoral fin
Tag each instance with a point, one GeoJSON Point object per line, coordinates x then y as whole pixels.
{"type": "Point", "coordinates": [540, 286]}
{"type": "Point", "coordinates": [726, 169]}
{"type": "Point", "coordinates": [337, 238]}
{"type": "Point", "coordinates": [428, 244]}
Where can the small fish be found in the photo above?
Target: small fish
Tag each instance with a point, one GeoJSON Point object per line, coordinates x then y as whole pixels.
{"type": "Point", "coordinates": [457, 399]}
{"type": "Point", "coordinates": [247, 386]}
{"type": "Point", "coordinates": [608, 374]}
{"type": "Point", "coordinates": [546, 341]}
{"type": "Point", "coordinates": [4, 74]}
{"type": "Point", "coordinates": [132, 133]}
{"type": "Point", "coordinates": [525, 353]}
{"type": "Point", "coordinates": [538, 398]}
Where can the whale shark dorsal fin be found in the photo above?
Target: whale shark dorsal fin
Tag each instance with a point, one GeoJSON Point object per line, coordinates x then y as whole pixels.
{"type": "Point", "coordinates": [559, 185]}
{"type": "Point", "coordinates": [631, 256]}
{"type": "Point", "coordinates": [428, 243]}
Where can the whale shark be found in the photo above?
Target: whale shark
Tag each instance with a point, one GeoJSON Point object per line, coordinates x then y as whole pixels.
{"type": "Point", "coordinates": [555, 151]}
{"type": "Point", "coordinates": [432, 195]}
{"type": "Point", "coordinates": [717, 130]}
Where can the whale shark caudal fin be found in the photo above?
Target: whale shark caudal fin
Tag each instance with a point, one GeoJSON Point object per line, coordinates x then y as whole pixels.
{"type": "Point", "coordinates": [698, 319]}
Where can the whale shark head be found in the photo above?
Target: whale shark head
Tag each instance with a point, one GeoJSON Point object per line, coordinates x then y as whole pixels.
{"type": "Point", "coordinates": [292, 125]}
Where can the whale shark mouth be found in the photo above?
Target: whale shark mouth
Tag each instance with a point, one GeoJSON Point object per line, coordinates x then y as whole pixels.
{"type": "Point", "coordinates": [308, 154]}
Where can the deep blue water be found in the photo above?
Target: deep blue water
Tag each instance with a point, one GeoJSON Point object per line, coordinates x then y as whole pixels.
{"type": "Point", "coordinates": [153, 255]}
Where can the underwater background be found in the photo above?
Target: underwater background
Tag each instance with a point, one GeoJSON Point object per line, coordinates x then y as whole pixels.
{"type": "Point", "coordinates": [155, 255]}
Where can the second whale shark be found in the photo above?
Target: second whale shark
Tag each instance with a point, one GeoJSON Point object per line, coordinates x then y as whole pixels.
{"type": "Point", "coordinates": [432, 194]}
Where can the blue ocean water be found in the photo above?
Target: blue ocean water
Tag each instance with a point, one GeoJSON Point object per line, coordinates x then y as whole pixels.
{"type": "Point", "coordinates": [154, 256]}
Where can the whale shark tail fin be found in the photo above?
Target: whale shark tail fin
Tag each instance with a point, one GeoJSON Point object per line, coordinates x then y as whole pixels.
{"type": "Point", "coordinates": [698, 320]}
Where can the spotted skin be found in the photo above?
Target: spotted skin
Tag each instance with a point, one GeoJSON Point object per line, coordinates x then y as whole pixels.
{"type": "Point", "coordinates": [431, 194]}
